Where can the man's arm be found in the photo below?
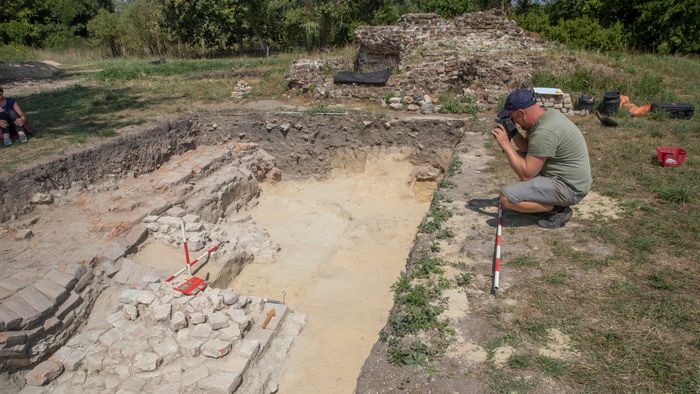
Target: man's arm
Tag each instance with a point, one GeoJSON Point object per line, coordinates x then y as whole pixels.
{"type": "Point", "coordinates": [520, 142]}
{"type": "Point", "coordinates": [526, 168]}
{"type": "Point", "coordinates": [20, 121]}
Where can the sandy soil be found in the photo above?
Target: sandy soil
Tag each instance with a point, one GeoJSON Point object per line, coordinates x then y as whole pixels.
{"type": "Point", "coordinates": [344, 241]}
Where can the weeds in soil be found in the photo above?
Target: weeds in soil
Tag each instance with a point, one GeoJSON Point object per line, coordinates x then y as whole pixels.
{"type": "Point", "coordinates": [464, 279]}
{"type": "Point", "coordinates": [446, 184]}
{"type": "Point", "coordinates": [417, 304]}
{"type": "Point", "coordinates": [436, 217]}
{"type": "Point", "coordinates": [455, 167]}
{"type": "Point", "coordinates": [458, 104]}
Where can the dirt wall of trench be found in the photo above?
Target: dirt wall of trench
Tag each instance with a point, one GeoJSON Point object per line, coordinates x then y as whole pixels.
{"type": "Point", "coordinates": [302, 144]}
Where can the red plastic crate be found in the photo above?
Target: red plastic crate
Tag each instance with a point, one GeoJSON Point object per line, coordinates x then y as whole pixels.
{"type": "Point", "coordinates": [671, 156]}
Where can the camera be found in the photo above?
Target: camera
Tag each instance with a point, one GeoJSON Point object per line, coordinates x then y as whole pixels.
{"type": "Point", "coordinates": [509, 125]}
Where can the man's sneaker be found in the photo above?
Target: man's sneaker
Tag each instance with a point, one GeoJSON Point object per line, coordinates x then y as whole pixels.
{"type": "Point", "coordinates": [557, 218]}
{"type": "Point", "coordinates": [23, 138]}
{"type": "Point", "coordinates": [7, 141]}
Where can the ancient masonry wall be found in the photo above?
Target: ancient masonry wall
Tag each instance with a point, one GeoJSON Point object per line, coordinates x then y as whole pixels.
{"type": "Point", "coordinates": [472, 53]}
{"type": "Point", "coordinates": [39, 318]}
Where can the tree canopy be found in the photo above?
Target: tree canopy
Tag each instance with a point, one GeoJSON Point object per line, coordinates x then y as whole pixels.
{"type": "Point", "coordinates": [158, 27]}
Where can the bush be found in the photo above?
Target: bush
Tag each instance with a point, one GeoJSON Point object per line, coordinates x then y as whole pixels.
{"type": "Point", "coordinates": [15, 52]}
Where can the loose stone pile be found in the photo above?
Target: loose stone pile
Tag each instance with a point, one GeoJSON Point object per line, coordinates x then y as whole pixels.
{"type": "Point", "coordinates": [242, 89]}
{"type": "Point", "coordinates": [161, 341]}
{"type": "Point", "coordinates": [168, 229]}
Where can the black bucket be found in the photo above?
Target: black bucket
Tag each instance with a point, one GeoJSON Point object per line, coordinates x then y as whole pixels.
{"type": "Point", "coordinates": [585, 103]}
{"type": "Point", "coordinates": [611, 103]}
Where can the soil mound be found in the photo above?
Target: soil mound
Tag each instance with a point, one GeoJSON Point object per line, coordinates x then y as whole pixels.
{"type": "Point", "coordinates": [13, 71]}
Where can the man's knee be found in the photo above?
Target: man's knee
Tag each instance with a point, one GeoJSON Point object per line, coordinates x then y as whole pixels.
{"type": "Point", "coordinates": [505, 202]}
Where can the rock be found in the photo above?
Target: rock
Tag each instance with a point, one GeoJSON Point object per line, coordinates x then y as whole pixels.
{"type": "Point", "coordinates": [130, 312]}
{"type": "Point", "coordinates": [229, 334]}
{"type": "Point", "coordinates": [146, 362]}
{"type": "Point", "coordinates": [367, 123]}
{"type": "Point", "coordinates": [44, 373]}
{"type": "Point", "coordinates": [427, 108]}
{"type": "Point", "coordinates": [176, 211]}
{"type": "Point", "coordinates": [220, 383]}
{"type": "Point", "coordinates": [151, 279]}
{"type": "Point", "coordinates": [178, 321]}
{"type": "Point", "coordinates": [197, 318]}
{"type": "Point", "coordinates": [134, 297]}
{"type": "Point", "coordinates": [150, 219]}
{"type": "Point", "coordinates": [73, 361]}
{"type": "Point", "coordinates": [201, 331]}
{"type": "Point", "coordinates": [218, 320]}
{"type": "Point", "coordinates": [396, 106]}
{"type": "Point", "coordinates": [239, 317]}
{"type": "Point", "coordinates": [161, 312]}
{"type": "Point", "coordinates": [191, 347]}
{"type": "Point", "coordinates": [190, 218]}
{"type": "Point", "coordinates": [215, 348]}
{"type": "Point", "coordinates": [165, 347]}
{"type": "Point", "coordinates": [229, 296]}
{"type": "Point", "coordinates": [42, 198]}
{"type": "Point", "coordinates": [21, 235]}
{"type": "Point", "coordinates": [413, 107]}
{"type": "Point", "coordinates": [285, 127]}
{"type": "Point", "coordinates": [395, 100]}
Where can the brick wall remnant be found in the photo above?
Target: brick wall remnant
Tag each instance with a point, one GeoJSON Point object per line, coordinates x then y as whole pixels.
{"type": "Point", "coordinates": [482, 51]}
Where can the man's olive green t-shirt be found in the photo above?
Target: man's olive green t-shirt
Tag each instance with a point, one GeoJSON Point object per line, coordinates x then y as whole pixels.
{"type": "Point", "coordinates": [558, 139]}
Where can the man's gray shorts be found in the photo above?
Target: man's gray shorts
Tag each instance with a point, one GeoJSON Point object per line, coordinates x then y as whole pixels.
{"type": "Point", "coordinates": [543, 190]}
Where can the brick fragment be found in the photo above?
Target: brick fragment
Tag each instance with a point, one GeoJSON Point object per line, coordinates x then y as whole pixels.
{"type": "Point", "coordinates": [44, 373]}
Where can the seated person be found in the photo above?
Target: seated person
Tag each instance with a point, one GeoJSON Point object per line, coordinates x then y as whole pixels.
{"type": "Point", "coordinates": [11, 114]}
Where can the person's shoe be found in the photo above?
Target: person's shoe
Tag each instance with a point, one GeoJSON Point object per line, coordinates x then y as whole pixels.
{"type": "Point", "coordinates": [7, 141]}
{"type": "Point", "coordinates": [557, 218]}
{"type": "Point", "coordinates": [23, 138]}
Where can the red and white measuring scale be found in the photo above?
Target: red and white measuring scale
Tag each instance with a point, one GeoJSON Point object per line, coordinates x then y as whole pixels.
{"type": "Point", "coordinates": [497, 254]}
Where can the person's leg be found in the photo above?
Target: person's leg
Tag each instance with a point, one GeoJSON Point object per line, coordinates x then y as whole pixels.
{"type": "Point", "coordinates": [524, 206]}
{"type": "Point", "coordinates": [20, 129]}
{"type": "Point", "coordinates": [538, 195]}
{"type": "Point", "coordinates": [5, 128]}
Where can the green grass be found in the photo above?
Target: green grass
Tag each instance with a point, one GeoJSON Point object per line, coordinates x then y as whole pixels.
{"type": "Point", "coordinates": [458, 104]}
{"type": "Point", "coordinates": [135, 69]}
{"type": "Point", "coordinates": [521, 261]}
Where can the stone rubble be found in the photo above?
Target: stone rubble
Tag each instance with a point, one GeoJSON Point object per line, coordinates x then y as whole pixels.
{"type": "Point", "coordinates": [145, 351]}
{"type": "Point", "coordinates": [241, 90]}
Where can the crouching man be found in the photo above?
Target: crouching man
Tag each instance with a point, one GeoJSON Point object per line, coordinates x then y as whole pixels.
{"type": "Point", "coordinates": [551, 160]}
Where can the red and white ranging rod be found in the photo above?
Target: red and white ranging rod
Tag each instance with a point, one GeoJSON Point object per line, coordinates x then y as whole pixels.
{"type": "Point", "coordinates": [497, 255]}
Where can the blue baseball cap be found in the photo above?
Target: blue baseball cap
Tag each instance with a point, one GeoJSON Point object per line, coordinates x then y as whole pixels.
{"type": "Point", "coordinates": [517, 99]}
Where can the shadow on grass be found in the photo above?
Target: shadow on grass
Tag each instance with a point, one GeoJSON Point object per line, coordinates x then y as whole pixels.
{"type": "Point", "coordinates": [81, 111]}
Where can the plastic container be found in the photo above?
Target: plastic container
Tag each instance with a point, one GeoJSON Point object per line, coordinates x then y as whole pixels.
{"type": "Point", "coordinates": [611, 103]}
{"type": "Point", "coordinates": [586, 103]}
{"type": "Point", "coordinates": [670, 156]}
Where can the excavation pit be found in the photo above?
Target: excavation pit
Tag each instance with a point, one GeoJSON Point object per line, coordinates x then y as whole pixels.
{"type": "Point", "coordinates": [318, 214]}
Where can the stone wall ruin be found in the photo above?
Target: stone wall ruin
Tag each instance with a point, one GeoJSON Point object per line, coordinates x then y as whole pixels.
{"type": "Point", "coordinates": [483, 54]}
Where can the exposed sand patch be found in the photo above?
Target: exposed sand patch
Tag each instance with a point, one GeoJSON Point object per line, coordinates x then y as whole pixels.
{"type": "Point", "coordinates": [465, 350]}
{"type": "Point", "coordinates": [559, 346]}
{"type": "Point", "coordinates": [457, 305]}
{"type": "Point", "coordinates": [501, 356]}
{"type": "Point", "coordinates": [596, 205]}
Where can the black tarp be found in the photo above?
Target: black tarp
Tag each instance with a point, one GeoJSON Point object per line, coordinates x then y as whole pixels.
{"type": "Point", "coordinates": [374, 78]}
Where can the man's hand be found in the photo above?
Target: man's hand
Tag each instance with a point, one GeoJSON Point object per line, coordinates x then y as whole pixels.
{"type": "Point", "coordinates": [499, 132]}
{"type": "Point", "coordinates": [19, 121]}
{"type": "Point", "coordinates": [3, 123]}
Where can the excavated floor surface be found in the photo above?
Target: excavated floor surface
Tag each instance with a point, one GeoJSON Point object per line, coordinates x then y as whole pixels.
{"type": "Point", "coordinates": [343, 243]}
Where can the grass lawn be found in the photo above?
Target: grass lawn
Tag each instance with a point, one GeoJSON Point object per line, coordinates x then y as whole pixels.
{"type": "Point", "coordinates": [634, 315]}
